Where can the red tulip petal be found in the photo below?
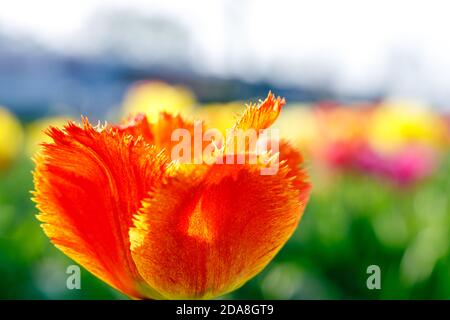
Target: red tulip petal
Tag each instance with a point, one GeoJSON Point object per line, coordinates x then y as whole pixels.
{"type": "Point", "coordinates": [201, 236]}
{"type": "Point", "coordinates": [160, 133]}
{"type": "Point", "coordinates": [137, 126]}
{"type": "Point", "coordinates": [294, 161]}
{"type": "Point", "coordinates": [88, 184]}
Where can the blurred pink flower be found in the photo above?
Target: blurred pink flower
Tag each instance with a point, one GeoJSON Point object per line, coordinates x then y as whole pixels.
{"type": "Point", "coordinates": [405, 167]}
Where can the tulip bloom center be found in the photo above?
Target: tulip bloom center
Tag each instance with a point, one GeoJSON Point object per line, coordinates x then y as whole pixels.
{"type": "Point", "coordinates": [236, 147]}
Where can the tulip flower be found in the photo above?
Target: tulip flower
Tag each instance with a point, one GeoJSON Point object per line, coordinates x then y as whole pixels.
{"type": "Point", "coordinates": [111, 198]}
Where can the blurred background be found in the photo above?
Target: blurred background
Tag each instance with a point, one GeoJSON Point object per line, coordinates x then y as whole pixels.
{"type": "Point", "coordinates": [368, 91]}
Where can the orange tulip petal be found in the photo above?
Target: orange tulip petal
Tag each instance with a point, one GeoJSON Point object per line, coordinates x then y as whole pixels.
{"type": "Point", "coordinates": [203, 236]}
{"type": "Point", "coordinates": [260, 116]}
{"type": "Point", "coordinates": [166, 125]}
{"type": "Point", "coordinates": [294, 161]}
{"type": "Point", "coordinates": [88, 184]}
{"type": "Point", "coordinates": [137, 126]}
{"type": "Point", "coordinates": [160, 133]}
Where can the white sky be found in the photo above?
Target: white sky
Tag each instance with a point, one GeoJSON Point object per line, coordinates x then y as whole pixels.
{"type": "Point", "coordinates": [348, 44]}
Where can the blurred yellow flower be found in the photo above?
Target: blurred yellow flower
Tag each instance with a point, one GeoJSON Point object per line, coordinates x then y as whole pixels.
{"type": "Point", "coordinates": [217, 115]}
{"type": "Point", "coordinates": [35, 133]}
{"type": "Point", "coordinates": [11, 138]}
{"type": "Point", "coordinates": [447, 124]}
{"type": "Point", "coordinates": [153, 97]}
{"type": "Point", "coordinates": [396, 124]}
{"type": "Point", "coordinates": [298, 124]}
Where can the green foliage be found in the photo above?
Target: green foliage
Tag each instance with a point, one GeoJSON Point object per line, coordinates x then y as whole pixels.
{"type": "Point", "coordinates": [351, 222]}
